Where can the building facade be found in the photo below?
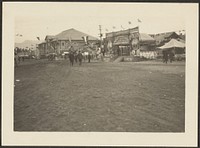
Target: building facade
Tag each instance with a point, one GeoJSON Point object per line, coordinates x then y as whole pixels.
{"type": "Point", "coordinates": [129, 42]}
{"type": "Point", "coordinates": [65, 41]}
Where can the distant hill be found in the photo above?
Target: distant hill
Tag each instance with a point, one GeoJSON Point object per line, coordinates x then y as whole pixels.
{"type": "Point", "coordinates": [28, 44]}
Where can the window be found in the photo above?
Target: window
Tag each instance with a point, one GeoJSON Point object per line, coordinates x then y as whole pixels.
{"type": "Point", "coordinates": [63, 44]}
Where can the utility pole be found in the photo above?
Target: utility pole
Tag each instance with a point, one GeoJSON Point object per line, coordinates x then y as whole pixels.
{"type": "Point", "coordinates": [100, 35]}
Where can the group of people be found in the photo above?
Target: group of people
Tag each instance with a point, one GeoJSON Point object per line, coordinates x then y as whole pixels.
{"type": "Point", "coordinates": [168, 55]}
{"type": "Point", "coordinates": [77, 57]}
{"type": "Point", "coordinates": [18, 59]}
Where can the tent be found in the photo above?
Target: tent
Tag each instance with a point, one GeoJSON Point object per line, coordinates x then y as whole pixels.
{"type": "Point", "coordinates": [173, 43]}
{"type": "Point", "coordinates": [146, 39]}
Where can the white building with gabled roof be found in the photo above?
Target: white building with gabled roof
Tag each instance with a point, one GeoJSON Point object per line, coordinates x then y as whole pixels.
{"type": "Point", "coordinates": [70, 39]}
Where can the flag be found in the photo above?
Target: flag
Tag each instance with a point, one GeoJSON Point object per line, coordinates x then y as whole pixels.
{"type": "Point", "coordinates": [38, 38]}
{"type": "Point", "coordinates": [139, 20]}
{"type": "Point", "coordinates": [85, 38]}
{"type": "Point", "coordinates": [20, 35]}
{"type": "Point", "coordinates": [129, 22]}
{"type": "Point", "coordinates": [70, 39]}
{"type": "Point", "coordinates": [114, 27]}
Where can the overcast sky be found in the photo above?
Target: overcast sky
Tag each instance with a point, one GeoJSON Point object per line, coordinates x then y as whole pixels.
{"type": "Point", "coordinates": [41, 19]}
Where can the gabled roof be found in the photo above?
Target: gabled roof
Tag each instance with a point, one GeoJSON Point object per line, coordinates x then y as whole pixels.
{"type": "Point", "coordinates": [73, 34]}
{"type": "Point", "coordinates": [163, 36]}
{"type": "Point", "coordinates": [182, 36]}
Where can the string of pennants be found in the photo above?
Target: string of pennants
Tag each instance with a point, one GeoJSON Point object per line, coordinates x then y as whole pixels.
{"type": "Point", "coordinates": [122, 27]}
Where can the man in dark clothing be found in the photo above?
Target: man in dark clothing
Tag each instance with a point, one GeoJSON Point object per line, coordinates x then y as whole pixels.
{"type": "Point", "coordinates": [118, 51]}
{"type": "Point", "coordinates": [16, 59]}
{"type": "Point", "coordinates": [171, 56]}
{"type": "Point", "coordinates": [71, 58]}
{"type": "Point", "coordinates": [75, 56]}
{"type": "Point", "coordinates": [89, 57]}
{"type": "Point", "coordinates": [165, 57]}
{"type": "Point", "coordinates": [23, 58]}
{"type": "Point", "coordinates": [80, 57]}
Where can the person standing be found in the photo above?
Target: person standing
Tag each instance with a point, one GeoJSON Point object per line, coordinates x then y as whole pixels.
{"type": "Point", "coordinates": [80, 57]}
{"type": "Point", "coordinates": [118, 51]}
{"type": "Point", "coordinates": [75, 57]}
{"type": "Point", "coordinates": [23, 54]}
{"type": "Point", "coordinates": [71, 58]}
{"type": "Point", "coordinates": [16, 59]}
{"type": "Point", "coordinates": [165, 57]}
{"type": "Point", "coordinates": [89, 57]}
{"type": "Point", "coordinates": [171, 56]}
{"type": "Point", "coordinates": [101, 55]}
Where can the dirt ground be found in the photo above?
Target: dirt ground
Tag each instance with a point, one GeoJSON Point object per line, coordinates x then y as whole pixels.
{"type": "Point", "coordinates": [99, 96]}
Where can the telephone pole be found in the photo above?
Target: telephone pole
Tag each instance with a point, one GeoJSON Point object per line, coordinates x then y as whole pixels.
{"type": "Point", "coordinates": [100, 35]}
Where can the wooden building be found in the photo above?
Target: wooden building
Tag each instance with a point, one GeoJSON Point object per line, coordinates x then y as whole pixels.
{"type": "Point", "coordinates": [70, 39]}
{"type": "Point", "coordinates": [162, 38]}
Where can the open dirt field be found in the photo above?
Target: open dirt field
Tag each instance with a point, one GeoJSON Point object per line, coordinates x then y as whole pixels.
{"type": "Point", "coordinates": [99, 97]}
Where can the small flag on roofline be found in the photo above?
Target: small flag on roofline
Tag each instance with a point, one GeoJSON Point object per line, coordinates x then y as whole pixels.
{"type": "Point", "coordinates": [139, 20]}
{"type": "Point", "coordinates": [129, 22]}
{"type": "Point", "coordinates": [38, 38]}
{"type": "Point", "coordinates": [70, 39]}
{"type": "Point", "coordinates": [85, 38]}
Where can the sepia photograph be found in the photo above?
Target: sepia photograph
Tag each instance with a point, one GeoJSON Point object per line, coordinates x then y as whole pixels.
{"type": "Point", "coordinates": [100, 68]}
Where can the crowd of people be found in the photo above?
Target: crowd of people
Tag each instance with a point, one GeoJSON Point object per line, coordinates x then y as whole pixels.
{"type": "Point", "coordinates": [18, 58]}
{"type": "Point", "coordinates": [20, 54]}
{"type": "Point", "coordinates": [78, 57]}
{"type": "Point", "coordinates": [168, 55]}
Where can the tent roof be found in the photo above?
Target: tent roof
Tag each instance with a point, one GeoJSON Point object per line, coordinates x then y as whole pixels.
{"type": "Point", "coordinates": [73, 34]}
{"type": "Point", "coordinates": [173, 43]}
{"type": "Point", "coordinates": [145, 37]}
